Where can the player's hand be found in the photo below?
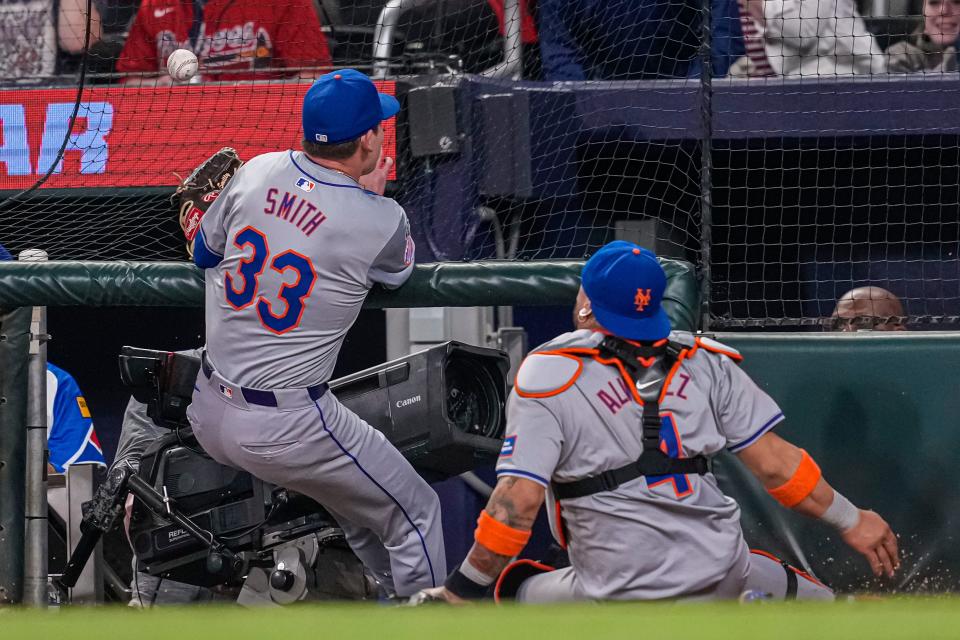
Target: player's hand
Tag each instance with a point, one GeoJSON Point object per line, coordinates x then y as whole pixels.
{"type": "Point", "coordinates": [376, 180]}
{"type": "Point", "coordinates": [873, 538]}
{"type": "Point", "coordinates": [437, 594]}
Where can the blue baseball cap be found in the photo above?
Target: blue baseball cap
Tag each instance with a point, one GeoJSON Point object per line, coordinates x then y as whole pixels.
{"type": "Point", "coordinates": [343, 105]}
{"type": "Point", "coordinates": [625, 284]}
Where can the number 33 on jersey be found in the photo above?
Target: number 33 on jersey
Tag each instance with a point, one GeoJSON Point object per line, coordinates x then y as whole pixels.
{"type": "Point", "coordinates": [242, 286]}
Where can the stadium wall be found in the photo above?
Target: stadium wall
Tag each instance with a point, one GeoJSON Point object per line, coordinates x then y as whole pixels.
{"type": "Point", "coordinates": [879, 414]}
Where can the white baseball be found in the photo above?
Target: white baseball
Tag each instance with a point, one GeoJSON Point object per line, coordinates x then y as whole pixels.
{"type": "Point", "coordinates": [32, 255]}
{"type": "Point", "coordinates": [182, 65]}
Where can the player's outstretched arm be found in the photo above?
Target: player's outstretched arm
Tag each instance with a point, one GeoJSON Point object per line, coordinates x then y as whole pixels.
{"type": "Point", "coordinates": [793, 478]}
{"type": "Point", "coordinates": [502, 532]}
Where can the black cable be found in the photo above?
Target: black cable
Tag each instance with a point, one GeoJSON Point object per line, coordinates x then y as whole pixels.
{"type": "Point", "coordinates": [73, 117]}
{"type": "Point", "coordinates": [251, 529]}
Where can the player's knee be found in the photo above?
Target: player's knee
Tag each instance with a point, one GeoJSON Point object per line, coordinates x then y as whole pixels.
{"type": "Point", "coordinates": [429, 509]}
{"type": "Point", "coordinates": [414, 522]}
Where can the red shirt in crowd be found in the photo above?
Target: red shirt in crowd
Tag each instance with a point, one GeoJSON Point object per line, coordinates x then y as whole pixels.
{"type": "Point", "coordinates": [249, 38]}
{"type": "Point", "coordinates": [528, 30]}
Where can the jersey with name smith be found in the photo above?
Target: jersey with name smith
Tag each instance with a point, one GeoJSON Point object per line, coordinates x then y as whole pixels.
{"type": "Point", "coordinates": [301, 245]}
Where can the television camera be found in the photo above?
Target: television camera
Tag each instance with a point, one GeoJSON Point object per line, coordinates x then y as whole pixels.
{"type": "Point", "coordinates": [202, 523]}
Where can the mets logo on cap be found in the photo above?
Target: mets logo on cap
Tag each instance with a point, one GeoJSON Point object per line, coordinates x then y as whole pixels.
{"type": "Point", "coordinates": [642, 299]}
{"type": "Point", "coordinates": [306, 185]}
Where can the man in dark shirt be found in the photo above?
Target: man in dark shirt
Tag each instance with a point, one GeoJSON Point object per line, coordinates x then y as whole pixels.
{"type": "Point", "coordinates": [633, 40]}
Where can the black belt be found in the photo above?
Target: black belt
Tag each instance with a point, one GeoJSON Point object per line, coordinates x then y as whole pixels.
{"type": "Point", "coordinates": [261, 397]}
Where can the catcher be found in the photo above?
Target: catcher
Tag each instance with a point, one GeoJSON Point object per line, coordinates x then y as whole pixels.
{"type": "Point", "coordinates": [613, 426]}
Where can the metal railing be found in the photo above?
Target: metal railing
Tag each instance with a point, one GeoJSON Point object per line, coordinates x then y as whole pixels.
{"type": "Point", "coordinates": [385, 33]}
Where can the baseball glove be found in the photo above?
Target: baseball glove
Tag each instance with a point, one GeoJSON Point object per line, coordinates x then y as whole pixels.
{"type": "Point", "coordinates": [199, 190]}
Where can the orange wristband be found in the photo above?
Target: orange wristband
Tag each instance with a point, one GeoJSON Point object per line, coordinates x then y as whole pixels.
{"type": "Point", "coordinates": [499, 538]}
{"type": "Point", "coordinates": [805, 478]}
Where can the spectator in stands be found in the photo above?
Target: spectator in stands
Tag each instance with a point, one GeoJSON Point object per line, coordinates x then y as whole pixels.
{"type": "Point", "coordinates": [815, 38]}
{"type": "Point", "coordinates": [868, 309]}
{"type": "Point", "coordinates": [627, 40]}
{"type": "Point", "coordinates": [34, 35]}
{"type": "Point", "coordinates": [933, 46]}
{"type": "Point", "coordinates": [754, 64]}
{"type": "Point", "coordinates": [233, 39]}
{"type": "Point", "coordinates": [528, 35]}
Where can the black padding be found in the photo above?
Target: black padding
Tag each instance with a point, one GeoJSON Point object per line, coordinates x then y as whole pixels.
{"type": "Point", "coordinates": [792, 584]}
{"type": "Point", "coordinates": [515, 575]}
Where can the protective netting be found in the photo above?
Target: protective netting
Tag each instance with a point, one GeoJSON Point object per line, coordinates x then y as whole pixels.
{"type": "Point", "coordinates": [793, 149]}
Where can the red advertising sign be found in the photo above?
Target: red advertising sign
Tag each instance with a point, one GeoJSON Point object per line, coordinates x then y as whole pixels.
{"type": "Point", "coordinates": [141, 137]}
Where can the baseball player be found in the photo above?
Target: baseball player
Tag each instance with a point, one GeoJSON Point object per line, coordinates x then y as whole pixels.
{"type": "Point", "coordinates": [71, 438]}
{"type": "Point", "coordinates": [613, 425]}
{"type": "Point", "coordinates": [291, 247]}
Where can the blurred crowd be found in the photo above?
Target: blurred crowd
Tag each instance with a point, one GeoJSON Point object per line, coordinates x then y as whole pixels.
{"type": "Point", "coordinates": [562, 40]}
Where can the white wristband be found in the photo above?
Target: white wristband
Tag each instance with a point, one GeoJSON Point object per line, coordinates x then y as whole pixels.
{"type": "Point", "coordinates": [474, 574]}
{"type": "Point", "coordinates": [841, 513]}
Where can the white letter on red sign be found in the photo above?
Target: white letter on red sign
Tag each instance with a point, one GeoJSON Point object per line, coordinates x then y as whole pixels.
{"type": "Point", "coordinates": [15, 150]}
{"type": "Point", "coordinates": [90, 143]}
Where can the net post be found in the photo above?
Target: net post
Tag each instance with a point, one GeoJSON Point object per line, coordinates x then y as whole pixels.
{"type": "Point", "coordinates": [512, 39]}
{"type": "Point", "coordinates": [14, 345]}
{"type": "Point", "coordinates": [705, 95]}
{"type": "Point", "coordinates": [35, 568]}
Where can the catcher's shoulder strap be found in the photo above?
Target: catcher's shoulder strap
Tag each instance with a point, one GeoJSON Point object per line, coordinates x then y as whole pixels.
{"type": "Point", "coordinates": [543, 374]}
{"type": "Point", "coordinates": [648, 370]}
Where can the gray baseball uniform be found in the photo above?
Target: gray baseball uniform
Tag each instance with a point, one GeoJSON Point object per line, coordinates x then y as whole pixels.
{"type": "Point", "coordinates": [669, 537]}
{"type": "Point", "coordinates": [299, 247]}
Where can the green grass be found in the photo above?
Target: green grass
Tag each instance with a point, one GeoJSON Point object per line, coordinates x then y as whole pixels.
{"type": "Point", "coordinates": [925, 619]}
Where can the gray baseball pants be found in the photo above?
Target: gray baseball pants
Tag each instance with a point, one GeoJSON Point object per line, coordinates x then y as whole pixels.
{"type": "Point", "coordinates": [752, 572]}
{"type": "Point", "coordinates": [390, 515]}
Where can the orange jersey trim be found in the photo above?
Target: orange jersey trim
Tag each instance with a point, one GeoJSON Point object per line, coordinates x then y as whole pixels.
{"type": "Point", "coordinates": [499, 538]}
{"type": "Point", "coordinates": [730, 354]}
{"type": "Point", "coordinates": [513, 565]}
{"type": "Point", "coordinates": [799, 572]}
{"type": "Point", "coordinates": [800, 485]}
{"type": "Point", "coordinates": [561, 534]}
{"type": "Point", "coordinates": [671, 374]}
{"type": "Point", "coordinates": [553, 392]}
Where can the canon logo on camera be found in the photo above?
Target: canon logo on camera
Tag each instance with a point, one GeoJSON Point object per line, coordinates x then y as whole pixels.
{"type": "Point", "coordinates": [408, 401]}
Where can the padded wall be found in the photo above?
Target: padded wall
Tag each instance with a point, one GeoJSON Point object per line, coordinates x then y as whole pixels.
{"type": "Point", "coordinates": [879, 413]}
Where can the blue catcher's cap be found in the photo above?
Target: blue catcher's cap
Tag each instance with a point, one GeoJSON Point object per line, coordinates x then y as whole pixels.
{"type": "Point", "coordinates": [625, 284]}
{"type": "Point", "coordinates": [343, 105]}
